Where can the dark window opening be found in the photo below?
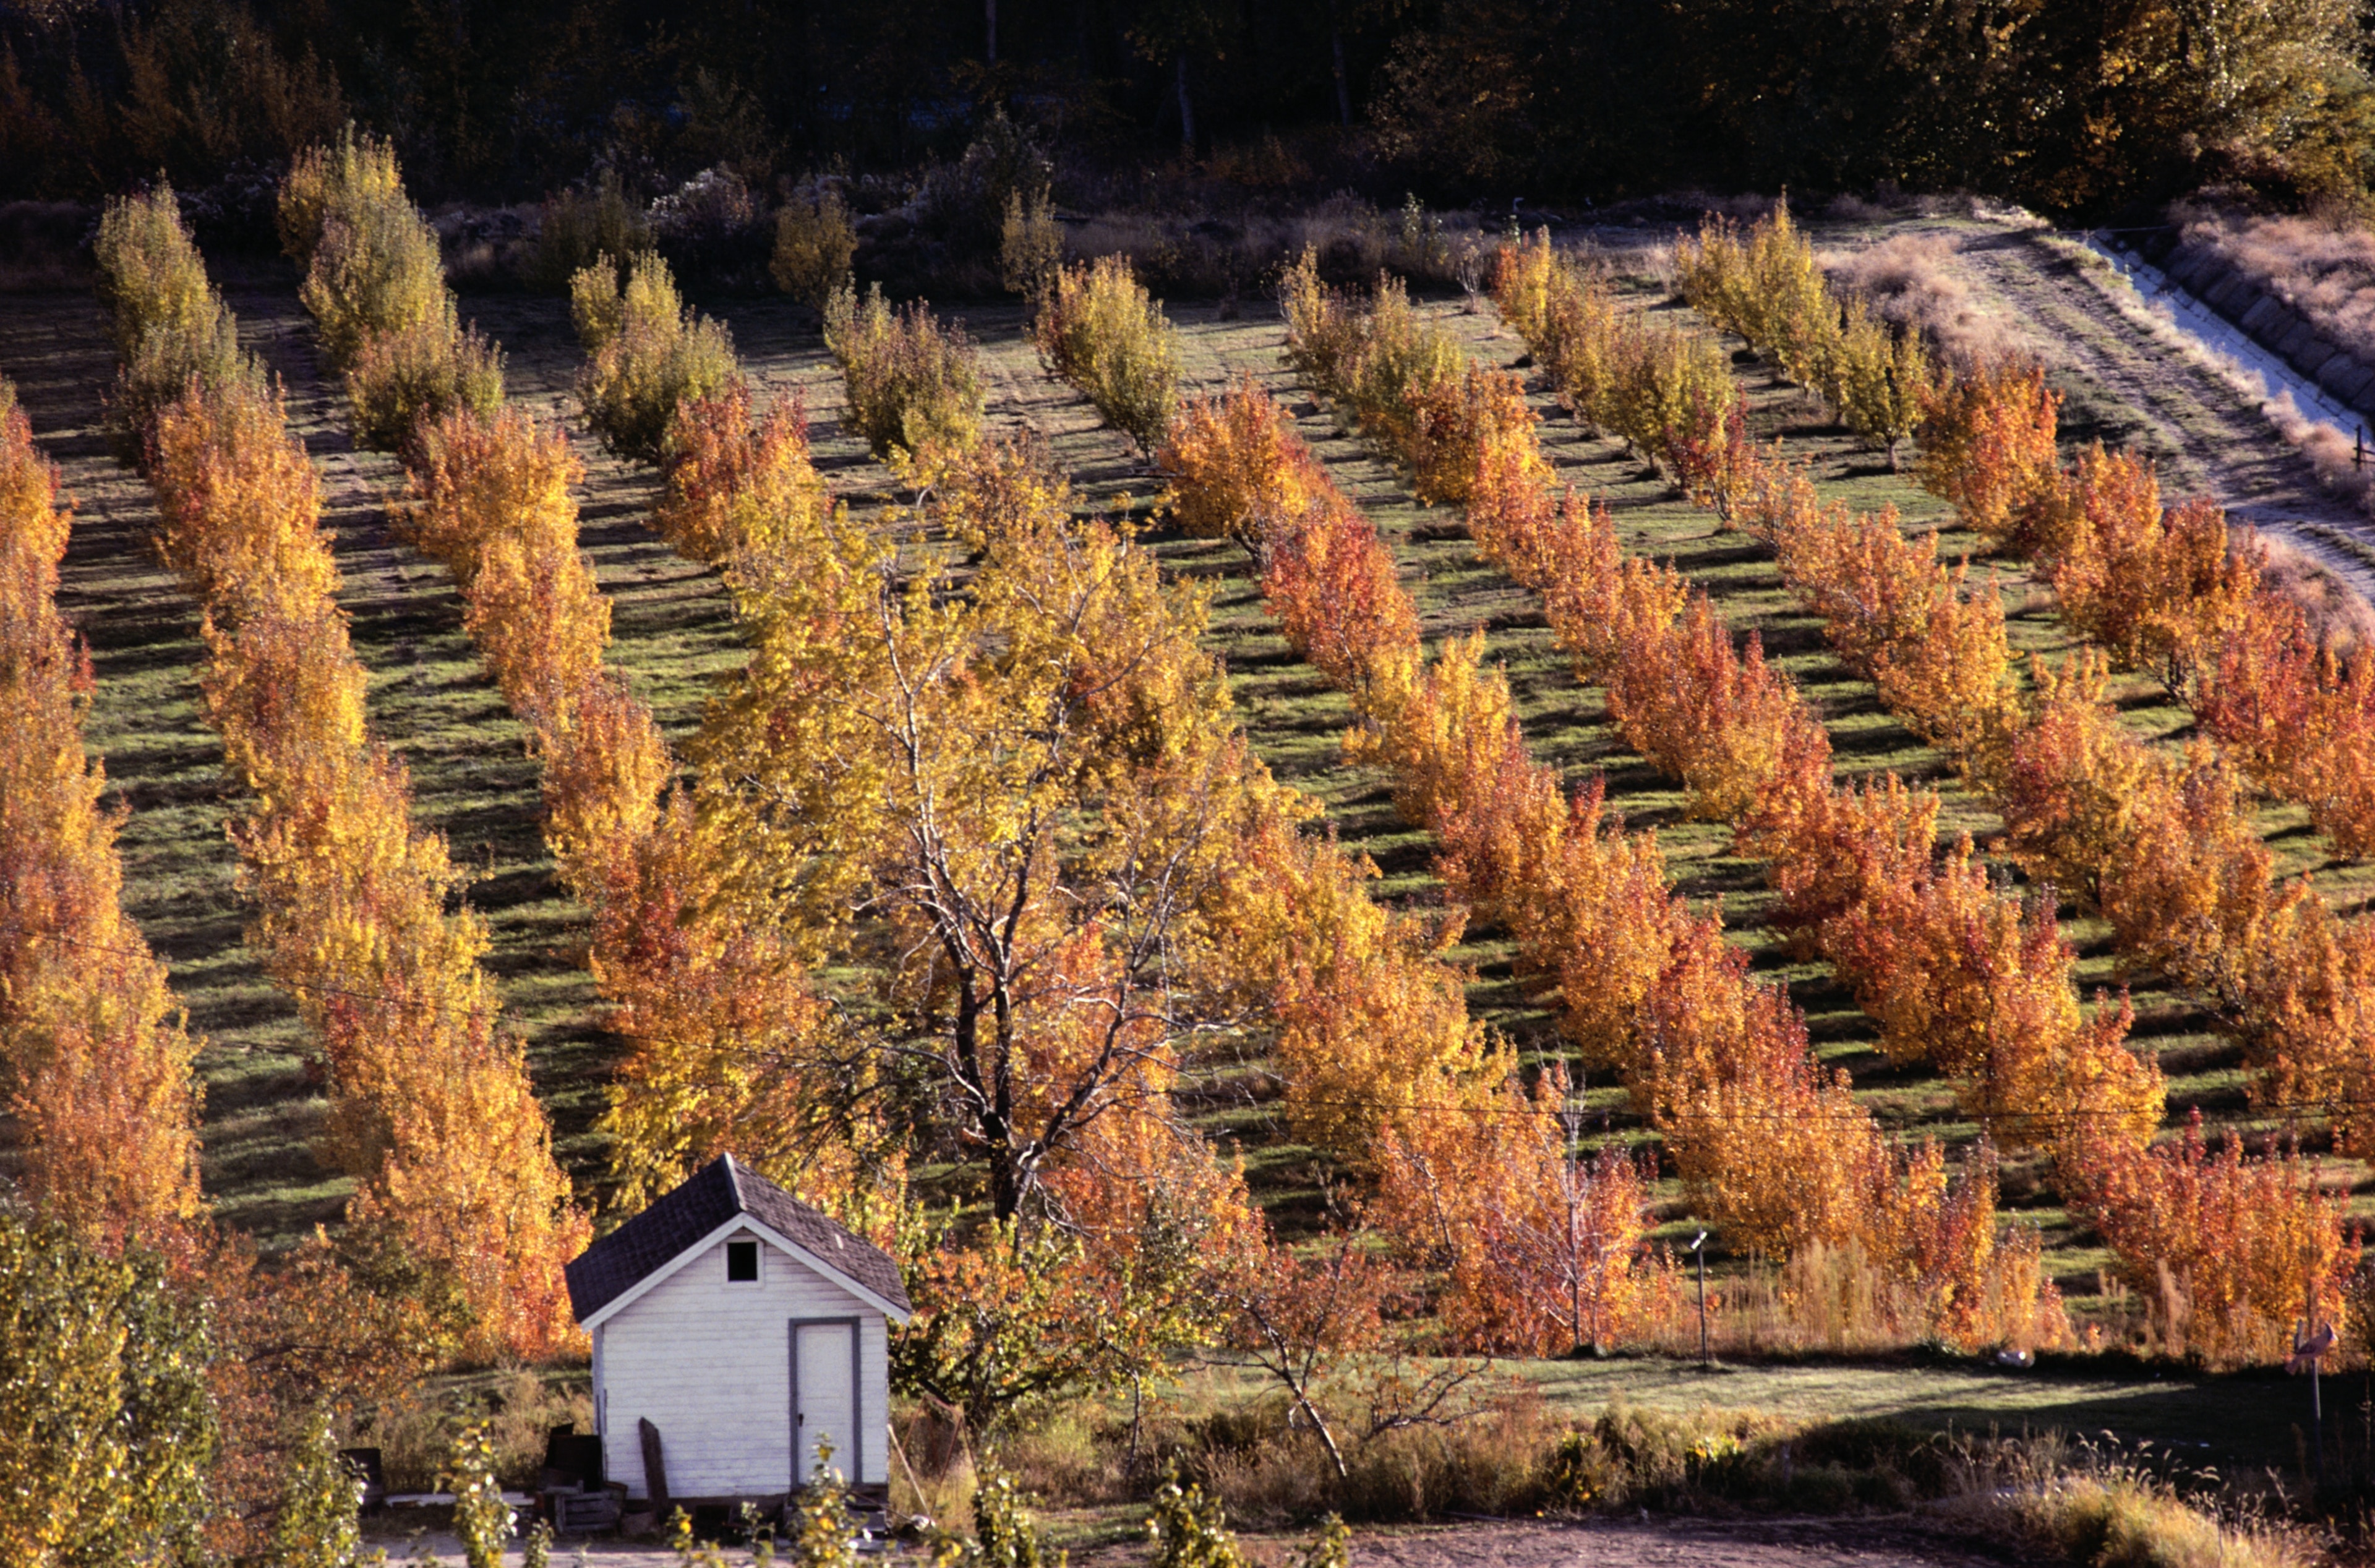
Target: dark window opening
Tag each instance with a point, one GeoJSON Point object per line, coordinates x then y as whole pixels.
{"type": "Point", "coordinates": [741, 1263]}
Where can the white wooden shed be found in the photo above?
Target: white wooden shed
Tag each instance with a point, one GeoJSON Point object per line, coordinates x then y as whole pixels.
{"type": "Point", "coordinates": [743, 1327]}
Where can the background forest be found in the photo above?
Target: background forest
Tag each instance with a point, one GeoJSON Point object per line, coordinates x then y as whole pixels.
{"type": "Point", "coordinates": [2074, 108]}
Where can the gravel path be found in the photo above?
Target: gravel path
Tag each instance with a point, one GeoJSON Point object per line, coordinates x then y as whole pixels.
{"type": "Point", "coordinates": [2142, 390]}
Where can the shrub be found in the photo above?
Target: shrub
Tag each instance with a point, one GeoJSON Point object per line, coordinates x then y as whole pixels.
{"type": "Point", "coordinates": [1988, 446]}
{"type": "Point", "coordinates": [1098, 329]}
{"type": "Point", "coordinates": [1876, 381]}
{"type": "Point", "coordinates": [1567, 318]}
{"type": "Point", "coordinates": [580, 228]}
{"type": "Point", "coordinates": [649, 353]}
{"type": "Point", "coordinates": [1029, 245]}
{"type": "Point", "coordinates": [346, 176]}
{"type": "Point", "coordinates": [813, 247]}
{"type": "Point", "coordinates": [424, 370]}
{"type": "Point", "coordinates": [2240, 1244]}
{"type": "Point", "coordinates": [1238, 469]}
{"type": "Point", "coordinates": [1403, 358]}
{"type": "Point", "coordinates": [717, 459]}
{"type": "Point", "coordinates": [1325, 330]}
{"type": "Point", "coordinates": [481, 1518]}
{"type": "Point", "coordinates": [321, 1503]}
{"type": "Point", "coordinates": [375, 269]}
{"type": "Point", "coordinates": [1384, 360]}
{"type": "Point", "coordinates": [168, 321]}
{"type": "Point", "coordinates": [912, 383]}
{"type": "Point", "coordinates": [1461, 425]}
{"type": "Point", "coordinates": [1662, 382]}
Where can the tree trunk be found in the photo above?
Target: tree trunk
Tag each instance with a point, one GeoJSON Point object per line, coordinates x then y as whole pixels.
{"type": "Point", "coordinates": [1327, 1438]}
{"type": "Point", "coordinates": [1187, 107]}
{"type": "Point", "coordinates": [1005, 1180]}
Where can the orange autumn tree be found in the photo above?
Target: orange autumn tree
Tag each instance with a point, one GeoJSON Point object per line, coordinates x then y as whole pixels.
{"type": "Point", "coordinates": [2159, 587]}
{"type": "Point", "coordinates": [2228, 1252]}
{"type": "Point", "coordinates": [1542, 1247]}
{"type": "Point", "coordinates": [95, 1060]}
{"type": "Point", "coordinates": [1987, 445]}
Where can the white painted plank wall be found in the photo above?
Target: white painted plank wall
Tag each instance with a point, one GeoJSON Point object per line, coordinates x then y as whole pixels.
{"type": "Point", "coordinates": [709, 1363]}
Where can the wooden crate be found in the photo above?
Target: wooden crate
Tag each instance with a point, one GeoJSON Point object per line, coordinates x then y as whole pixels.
{"type": "Point", "coordinates": [583, 1513]}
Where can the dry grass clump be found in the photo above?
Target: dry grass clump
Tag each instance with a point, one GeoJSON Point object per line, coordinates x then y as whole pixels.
{"type": "Point", "coordinates": [518, 1408]}
{"type": "Point", "coordinates": [2339, 613]}
{"type": "Point", "coordinates": [1098, 329]}
{"type": "Point", "coordinates": [648, 351]}
{"type": "Point", "coordinates": [2324, 268]}
{"type": "Point", "coordinates": [1909, 280]}
{"type": "Point", "coordinates": [911, 383]}
{"type": "Point", "coordinates": [2083, 1507]}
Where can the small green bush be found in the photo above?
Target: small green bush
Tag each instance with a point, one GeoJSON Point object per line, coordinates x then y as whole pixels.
{"type": "Point", "coordinates": [813, 246]}
{"type": "Point", "coordinates": [377, 269]}
{"type": "Point", "coordinates": [168, 321]}
{"type": "Point", "coordinates": [911, 383]}
{"type": "Point", "coordinates": [1099, 329]}
{"type": "Point", "coordinates": [482, 1520]}
{"type": "Point", "coordinates": [579, 227]}
{"type": "Point", "coordinates": [648, 352]}
{"type": "Point", "coordinates": [426, 370]}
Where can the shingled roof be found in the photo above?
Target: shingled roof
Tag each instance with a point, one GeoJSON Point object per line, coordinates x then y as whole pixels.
{"type": "Point", "coordinates": [709, 1197]}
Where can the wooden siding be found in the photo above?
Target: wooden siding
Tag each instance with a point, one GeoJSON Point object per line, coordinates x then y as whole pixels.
{"type": "Point", "coordinates": [709, 1363]}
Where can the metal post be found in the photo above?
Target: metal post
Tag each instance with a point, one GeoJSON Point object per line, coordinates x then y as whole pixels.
{"type": "Point", "coordinates": [2316, 1395]}
{"type": "Point", "coordinates": [1699, 1246]}
{"type": "Point", "coordinates": [2359, 449]}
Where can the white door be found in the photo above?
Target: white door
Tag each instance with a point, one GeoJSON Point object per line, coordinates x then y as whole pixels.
{"type": "Point", "coordinates": [824, 1397]}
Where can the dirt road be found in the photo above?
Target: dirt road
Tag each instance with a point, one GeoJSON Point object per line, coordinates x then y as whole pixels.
{"type": "Point", "coordinates": [2124, 380]}
{"type": "Point", "coordinates": [1898, 1541]}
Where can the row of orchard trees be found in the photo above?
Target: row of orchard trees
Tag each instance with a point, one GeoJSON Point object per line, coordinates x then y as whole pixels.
{"type": "Point", "coordinates": [161, 1382]}
{"type": "Point", "coordinates": [2156, 841]}
{"type": "Point", "coordinates": [489, 494]}
{"type": "Point", "coordinates": [1043, 832]}
{"type": "Point", "coordinates": [1777, 1151]}
{"type": "Point", "coordinates": [431, 1111]}
{"type": "Point", "coordinates": [2160, 843]}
